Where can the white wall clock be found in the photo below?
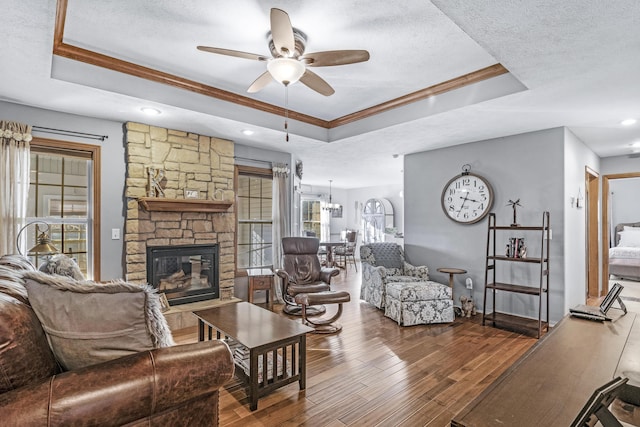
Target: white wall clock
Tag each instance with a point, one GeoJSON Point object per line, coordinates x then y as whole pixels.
{"type": "Point", "coordinates": [467, 198]}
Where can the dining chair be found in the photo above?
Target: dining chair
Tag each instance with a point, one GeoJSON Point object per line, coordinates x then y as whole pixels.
{"type": "Point", "coordinates": [347, 252]}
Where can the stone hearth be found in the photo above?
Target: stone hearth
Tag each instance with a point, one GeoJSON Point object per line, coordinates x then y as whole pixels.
{"type": "Point", "coordinates": [190, 162]}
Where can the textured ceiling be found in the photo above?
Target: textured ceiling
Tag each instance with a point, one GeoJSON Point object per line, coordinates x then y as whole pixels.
{"type": "Point", "coordinates": [571, 63]}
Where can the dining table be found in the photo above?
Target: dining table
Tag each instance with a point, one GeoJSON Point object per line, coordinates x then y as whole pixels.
{"type": "Point", "coordinates": [329, 247]}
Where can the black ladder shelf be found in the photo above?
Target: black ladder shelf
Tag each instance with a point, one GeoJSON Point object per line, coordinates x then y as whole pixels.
{"type": "Point", "coordinates": [491, 284]}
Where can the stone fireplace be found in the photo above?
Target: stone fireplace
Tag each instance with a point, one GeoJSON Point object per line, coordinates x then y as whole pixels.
{"type": "Point", "coordinates": [195, 165]}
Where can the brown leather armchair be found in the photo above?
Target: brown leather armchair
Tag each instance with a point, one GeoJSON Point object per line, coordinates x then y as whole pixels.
{"type": "Point", "coordinates": [164, 387]}
{"type": "Point", "coordinates": [302, 272]}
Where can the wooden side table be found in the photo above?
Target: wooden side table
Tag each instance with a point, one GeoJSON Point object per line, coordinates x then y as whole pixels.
{"type": "Point", "coordinates": [260, 279]}
{"type": "Point", "coordinates": [451, 272]}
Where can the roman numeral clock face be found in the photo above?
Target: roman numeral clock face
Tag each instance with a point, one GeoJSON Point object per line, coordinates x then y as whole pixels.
{"type": "Point", "coordinates": [467, 198]}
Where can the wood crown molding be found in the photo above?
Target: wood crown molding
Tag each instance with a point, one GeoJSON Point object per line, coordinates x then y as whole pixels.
{"type": "Point", "coordinates": [94, 58]}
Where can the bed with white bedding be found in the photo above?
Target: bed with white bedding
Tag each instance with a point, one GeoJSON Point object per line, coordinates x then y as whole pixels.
{"type": "Point", "coordinates": [624, 258]}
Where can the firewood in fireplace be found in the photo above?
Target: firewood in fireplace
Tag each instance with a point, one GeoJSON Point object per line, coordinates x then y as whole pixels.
{"type": "Point", "coordinates": [177, 280]}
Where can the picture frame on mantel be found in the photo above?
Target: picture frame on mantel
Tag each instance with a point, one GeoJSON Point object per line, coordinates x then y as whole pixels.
{"type": "Point", "coordinates": [164, 302]}
{"type": "Point", "coordinates": [191, 194]}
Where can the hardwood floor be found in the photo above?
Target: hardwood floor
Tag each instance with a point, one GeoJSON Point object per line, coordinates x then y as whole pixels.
{"type": "Point", "coordinates": [376, 373]}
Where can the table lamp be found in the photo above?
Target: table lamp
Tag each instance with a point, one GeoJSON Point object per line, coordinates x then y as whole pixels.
{"type": "Point", "coordinates": [43, 247]}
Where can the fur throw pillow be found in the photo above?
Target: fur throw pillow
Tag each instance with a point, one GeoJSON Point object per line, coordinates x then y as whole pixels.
{"type": "Point", "coordinates": [88, 322]}
{"type": "Point", "coordinates": [62, 265]}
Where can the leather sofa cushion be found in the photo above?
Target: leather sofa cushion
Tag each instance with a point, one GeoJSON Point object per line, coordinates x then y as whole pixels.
{"type": "Point", "coordinates": [87, 322]}
{"type": "Point", "coordinates": [25, 356]}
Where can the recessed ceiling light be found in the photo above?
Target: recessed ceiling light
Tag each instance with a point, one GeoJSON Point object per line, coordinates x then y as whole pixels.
{"type": "Point", "coordinates": [247, 132]}
{"type": "Point", "coordinates": [150, 111]}
{"type": "Point", "coordinates": [628, 122]}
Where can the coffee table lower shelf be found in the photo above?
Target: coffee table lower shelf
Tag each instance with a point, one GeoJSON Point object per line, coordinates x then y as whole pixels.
{"type": "Point", "coordinates": [286, 369]}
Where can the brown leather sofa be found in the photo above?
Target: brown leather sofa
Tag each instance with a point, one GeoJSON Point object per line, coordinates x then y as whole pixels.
{"type": "Point", "coordinates": [175, 386]}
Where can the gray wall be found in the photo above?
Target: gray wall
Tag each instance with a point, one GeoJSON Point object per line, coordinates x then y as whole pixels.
{"type": "Point", "coordinates": [624, 202]}
{"type": "Point", "coordinates": [528, 167]}
{"type": "Point", "coordinates": [361, 195]}
{"type": "Point", "coordinates": [389, 192]}
{"type": "Point", "coordinates": [576, 157]}
{"type": "Point", "coordinates": [113, 170]}
{"type": "Point", "coordinates": [261, 158]}
{"type": "Point", "coordinates": [619, 164]}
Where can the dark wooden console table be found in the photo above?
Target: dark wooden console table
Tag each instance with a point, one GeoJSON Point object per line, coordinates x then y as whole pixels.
{"type": "Point", "coordinates": [275, 344]}
{"type": "Point", "coordinates": [550, 383]}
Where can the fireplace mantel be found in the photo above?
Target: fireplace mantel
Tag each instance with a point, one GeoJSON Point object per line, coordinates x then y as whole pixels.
{"type": "Point", "coordinates": [158, 204]}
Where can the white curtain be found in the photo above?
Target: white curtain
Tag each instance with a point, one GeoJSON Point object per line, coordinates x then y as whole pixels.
{"type": "Point", "coordinates": [281, 210]}
{"type": "Point", "coordinates": [14, 182]}
{"type": "Point", "coordinates": [325, 223]}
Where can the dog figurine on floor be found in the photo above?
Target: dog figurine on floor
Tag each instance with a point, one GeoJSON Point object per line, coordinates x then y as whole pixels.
{"type": "Point", "coordinates": [467, 305]}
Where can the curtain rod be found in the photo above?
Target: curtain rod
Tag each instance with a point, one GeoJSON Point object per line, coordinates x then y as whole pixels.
{"type": "Point", "coordinates": [69, 133]}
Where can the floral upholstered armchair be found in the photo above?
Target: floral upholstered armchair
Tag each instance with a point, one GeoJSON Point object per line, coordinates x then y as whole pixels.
{"type": "Point", "coordinates": [383, 263]}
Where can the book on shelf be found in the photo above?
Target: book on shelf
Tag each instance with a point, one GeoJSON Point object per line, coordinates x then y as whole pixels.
{"type": "Point", "coordinates": [516, 248]}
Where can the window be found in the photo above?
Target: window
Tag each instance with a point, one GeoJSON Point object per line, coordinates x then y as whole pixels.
{"type": "Point", "coordinates": [254, 238]}
{"type": "Point", "coordinates": [64, 180]}
{"type": "Point", "coordinates": [311, 218]}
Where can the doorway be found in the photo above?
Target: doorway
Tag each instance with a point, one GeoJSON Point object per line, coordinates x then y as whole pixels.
{"type": "Point", "coordinates": [592, 196]}
{"type": "Point", "coordinates": [606, 226]}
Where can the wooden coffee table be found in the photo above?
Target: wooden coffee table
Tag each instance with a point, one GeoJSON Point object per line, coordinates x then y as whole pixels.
{"type": "Point", "coordinates": [273, 346]}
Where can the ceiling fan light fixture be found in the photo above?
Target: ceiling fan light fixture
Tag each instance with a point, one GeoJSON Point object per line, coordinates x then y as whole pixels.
{"type": "Point", "coordinates": [286, 70]}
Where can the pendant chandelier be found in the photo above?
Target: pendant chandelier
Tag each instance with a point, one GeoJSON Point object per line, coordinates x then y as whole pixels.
{"type": "Point", "coordinates": [331, 207]}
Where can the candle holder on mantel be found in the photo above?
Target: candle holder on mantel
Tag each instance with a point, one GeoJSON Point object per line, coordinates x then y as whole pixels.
{"type": "Point", "coordinates": [514, 205]}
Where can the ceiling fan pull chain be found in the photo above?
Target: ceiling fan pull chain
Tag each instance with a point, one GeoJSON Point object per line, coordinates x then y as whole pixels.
{"type": "Point", "coordinates": [286, 111]}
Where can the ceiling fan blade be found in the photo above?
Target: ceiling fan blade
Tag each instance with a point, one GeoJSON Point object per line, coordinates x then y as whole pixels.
{"type": "Point", "coordinates": [236, 53]}
{"type": "Point", "coordinates": [315, 82]}
{"type": "Point", "coordinates": [259, 83]}
{"type": "Point", "coordinates": [282, 32]}
{"type": "Point", "coordinates": [335, 57]}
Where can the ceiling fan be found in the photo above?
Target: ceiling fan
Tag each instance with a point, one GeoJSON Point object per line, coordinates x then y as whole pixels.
{"type": "Point", "coordinates": [289, 63]}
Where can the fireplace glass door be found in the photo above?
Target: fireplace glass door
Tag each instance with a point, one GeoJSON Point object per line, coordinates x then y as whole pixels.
{"type": "Point", "coordinates": [184, 273]}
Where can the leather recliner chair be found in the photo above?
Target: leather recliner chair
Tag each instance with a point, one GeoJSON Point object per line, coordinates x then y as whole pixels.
{"type": "Point", "coordinates": [302, 273]}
